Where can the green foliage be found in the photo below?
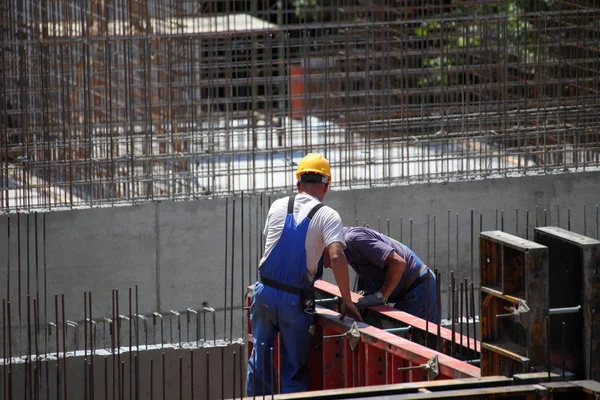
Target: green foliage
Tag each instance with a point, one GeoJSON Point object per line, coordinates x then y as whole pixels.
{"type": "Point", "coordinates": [500, 33]}
{"type": "Point", "coordinates": [306, 9]}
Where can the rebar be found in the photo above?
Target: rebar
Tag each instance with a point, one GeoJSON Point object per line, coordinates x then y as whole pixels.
{"type": "Point", "coordinates": [112, 111]}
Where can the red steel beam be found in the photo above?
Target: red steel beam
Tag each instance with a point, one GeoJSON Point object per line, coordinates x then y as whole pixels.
{"type": "Point", "coordinates": [405, 318]}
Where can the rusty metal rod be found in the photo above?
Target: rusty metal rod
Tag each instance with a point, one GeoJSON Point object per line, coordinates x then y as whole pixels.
{"type": "Point", "coordinates": [427, 308]}
{"type": "Point", "coordinates": [473, 312]}
{"type": "Point", "coordinates": [468, 315]}
{"type": "Point", "coordinates": [438, 346]}
{"type": "Point", "coordinates": [130, 345]}
{"type": "Point", "coordinates": [563, 347]}
{"type": "Point", "coordinates": [226, 263]}
{"type": "Point", "coordinates": [64, 339]}
{"type": "Point", "coordinates": [84, 325]}
{"type": "Point", "coordinates": [453, 314]}
{"type": "Point", "coordinates": [461, 315]}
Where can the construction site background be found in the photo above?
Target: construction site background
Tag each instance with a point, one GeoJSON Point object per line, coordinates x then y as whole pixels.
{"type": "Point", "coordinates": [108, 102]}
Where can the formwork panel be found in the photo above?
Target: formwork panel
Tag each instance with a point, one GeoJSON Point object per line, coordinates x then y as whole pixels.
{"type": "Point", "coordinates": [574, 280]}
{"type": "Point", "coordinates": [513, 270]}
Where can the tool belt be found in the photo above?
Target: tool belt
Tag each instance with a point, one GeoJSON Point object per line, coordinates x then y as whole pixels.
{"type": "Point", "coordinates": [307, 296]}
{"type": "Point", "coordinates": [415, 280]}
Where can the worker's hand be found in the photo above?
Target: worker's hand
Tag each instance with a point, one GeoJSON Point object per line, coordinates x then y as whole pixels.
{"type": "Point", "coordinates": [371, 300]}
{"type": "Point", "coordinates": [349, 308]}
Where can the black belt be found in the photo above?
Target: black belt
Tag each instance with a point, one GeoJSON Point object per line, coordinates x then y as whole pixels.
{"type": "Point", "coordinates": [307, 296]}
{"type": "Point", "coordinates": [420, 279]}
{"type": "Point", "coordinates": [281, 286]}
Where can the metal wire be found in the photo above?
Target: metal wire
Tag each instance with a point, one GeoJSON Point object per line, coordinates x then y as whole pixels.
{"type": "Point", "coordinates": [139, 101]}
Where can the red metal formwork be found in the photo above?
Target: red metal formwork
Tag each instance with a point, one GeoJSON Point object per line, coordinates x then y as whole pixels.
{"type": "Point", "coordinates": [374, 361]}
{"type": "Point", "coordinates": [405, 319]}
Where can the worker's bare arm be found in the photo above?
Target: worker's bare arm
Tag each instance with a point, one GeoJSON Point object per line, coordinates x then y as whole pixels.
{"type": "Point", "coordinates": [339, 265]}
{"type": "Point", "coordinates": [394, 266]}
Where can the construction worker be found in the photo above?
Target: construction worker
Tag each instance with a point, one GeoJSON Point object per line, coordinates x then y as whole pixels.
{"type": "Point", "coordinates": [389, 272]}
{"type": "Point", "coordinates": [298, 229]}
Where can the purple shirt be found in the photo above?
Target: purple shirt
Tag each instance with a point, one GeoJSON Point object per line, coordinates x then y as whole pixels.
{"type": "Point", "coordinates": [367, 250]}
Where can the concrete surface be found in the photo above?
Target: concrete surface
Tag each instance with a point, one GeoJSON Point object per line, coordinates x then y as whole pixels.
{"type": "Point", "coordinates": [209, 372]}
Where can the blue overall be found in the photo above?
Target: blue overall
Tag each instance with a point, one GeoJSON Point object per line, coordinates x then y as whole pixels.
{"type": "Point", "coordinates": [274, 310]}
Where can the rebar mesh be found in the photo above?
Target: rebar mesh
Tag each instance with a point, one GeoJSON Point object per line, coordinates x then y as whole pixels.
{"type": "Point", "coordinates": [106, 102]}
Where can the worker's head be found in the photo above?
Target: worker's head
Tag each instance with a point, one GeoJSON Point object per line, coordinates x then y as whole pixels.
{"type": "Point", "coordinates": [314, 175]}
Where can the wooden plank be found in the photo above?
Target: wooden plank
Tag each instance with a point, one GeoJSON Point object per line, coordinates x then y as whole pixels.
{"type": "Point", "coordinates": [505, 352]}
{"type": "Point", "coordinates": [499, 294]}
{"type": "Point", "coordinates": [591, 387]}
{"type": "Point", "coordinates": [404, 388]}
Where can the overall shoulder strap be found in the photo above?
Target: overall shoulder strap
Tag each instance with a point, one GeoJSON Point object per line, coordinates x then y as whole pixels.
{"type": "Point", "coordinates": [290, 209]}
{"type": "Point", "coordinates": [314, 210]}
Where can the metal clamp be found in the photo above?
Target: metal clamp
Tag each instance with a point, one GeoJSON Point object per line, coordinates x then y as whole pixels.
{"type": "Point", "coordinates": [353, 335]}
{"type": "Point", "coordinates": [518, 313]}
{"type": "Point", "coordinates": [432, 366]}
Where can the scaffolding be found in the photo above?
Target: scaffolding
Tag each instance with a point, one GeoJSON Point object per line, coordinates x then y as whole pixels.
{"type": "Point", "coordinates": [107, 102]}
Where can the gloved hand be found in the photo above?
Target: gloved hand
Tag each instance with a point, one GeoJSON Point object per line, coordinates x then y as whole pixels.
{"type": "Point", "coordinates": [371, 300]}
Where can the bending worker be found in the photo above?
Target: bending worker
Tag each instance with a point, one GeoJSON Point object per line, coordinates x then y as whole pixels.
{"type": "Point", "coordinates": [389, 272]}
{"type": "Point", "coordinates": [298, 229]}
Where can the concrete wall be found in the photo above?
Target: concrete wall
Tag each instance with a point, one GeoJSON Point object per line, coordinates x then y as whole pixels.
{"type": "Point", "coordinates": [209, 372]}
{"type": "Point", "coordinates": [174, 252]}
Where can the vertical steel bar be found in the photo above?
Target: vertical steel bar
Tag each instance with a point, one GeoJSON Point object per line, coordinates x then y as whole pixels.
{"type": "Point", "coordinates": [460, 316]}
{"type": "Point", "coordinates": [563, 346]}
{"type": "Point", "coordinates": [64, 343]}
{"type": "Point", "coordinates": [84, 325]}
{"type": "Point", "coordinates": [549, 366]}
{"type": "Point", "coordinates": [35, 335]}
{"type": "Point", "coordinates": [427, 309]}
{"type": "Point", "coordinates": [439, 309]}
{"type": "Point", "coordinates": [233, 227]}
{"type": "Point", "coordinates": [448, 269]}
{"type": "Point", "coordinates": [4, 353]}
{"type": "Point", "coordinates": [225, 269]}
{"type": "Point", "coordinates": [453, 313]}
{"type": "Point", "coordinates": [584, 221]}
{"type": "Point", "coordinates": [472, 247]}
{"type": "Point", "coordinates": [130, 346]}
{"type": "Point", "coordinates": [473, 313]}
{"type": "Point", "coordinates": [466, 287]}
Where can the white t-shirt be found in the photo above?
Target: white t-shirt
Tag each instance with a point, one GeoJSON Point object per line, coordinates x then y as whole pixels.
{"type": "Point", "coordinates": [325, 228]}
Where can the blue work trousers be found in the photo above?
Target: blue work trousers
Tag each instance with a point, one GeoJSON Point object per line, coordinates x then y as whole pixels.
{"type": "Point", "coordinates": [274, 311]}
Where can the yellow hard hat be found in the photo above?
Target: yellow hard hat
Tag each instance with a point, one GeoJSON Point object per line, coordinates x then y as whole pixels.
{"type": "Point", "coordinates": [315, 163]}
